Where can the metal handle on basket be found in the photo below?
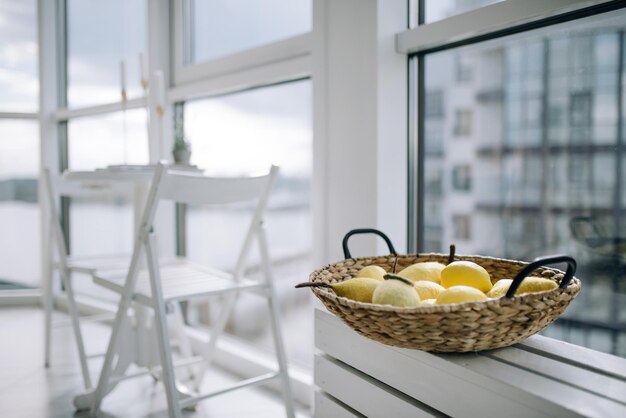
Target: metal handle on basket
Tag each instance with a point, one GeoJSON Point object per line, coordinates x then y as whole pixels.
{"type": "Point", "coordinates": [540, 262]}
{"type": "Point", "coordinates": [344, 243]}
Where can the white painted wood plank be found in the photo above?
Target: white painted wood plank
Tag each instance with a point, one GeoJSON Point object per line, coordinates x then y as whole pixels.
{"type": "Point", "coordinates": [429, 378]}
{"type": "Point", "coordinates": [473, 378]}
{"type": "Point", "coordinates": [325, 407]}
{"type": "Point", "coordinates": [600, 384]}
{"type": "Point", "coordinates": [571, 399]}
{"type": "Point", "coordinates": [574, 354]}
{"type": "Point", "coordinates": [365, 394]}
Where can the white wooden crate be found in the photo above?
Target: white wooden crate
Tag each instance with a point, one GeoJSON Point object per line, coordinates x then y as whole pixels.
{"type": "Point", "coordinates": [539, 377]}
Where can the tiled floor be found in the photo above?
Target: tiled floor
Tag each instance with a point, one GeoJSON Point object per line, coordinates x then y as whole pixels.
{"type": "Point", "coordinates": [29, 390]}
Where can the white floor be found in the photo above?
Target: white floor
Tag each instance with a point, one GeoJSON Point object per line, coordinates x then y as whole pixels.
{"type": "Point", "coordinates": [29, 390]}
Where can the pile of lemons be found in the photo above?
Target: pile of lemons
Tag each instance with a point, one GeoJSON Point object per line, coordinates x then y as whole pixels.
{"type": "Point", "coordinates": [431, 283]}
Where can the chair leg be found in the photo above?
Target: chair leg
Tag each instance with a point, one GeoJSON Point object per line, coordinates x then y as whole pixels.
{"type": "Point", "coordinates": [217, 327]}
{"type": "Point", "coordinates": [165, 350]}
{"type": "Point", "coordinates": [160, 324]}
{"type": "Point", "coordinates": [281, 355]}
{"type": "Point", "coordinates": [275, 323]}
{"type": "Point", "coordinates": [48, 303]}
{"type": "Point", "coordinates": [73, 311]}
{"type": "Point", "coordinates": [183, 341]}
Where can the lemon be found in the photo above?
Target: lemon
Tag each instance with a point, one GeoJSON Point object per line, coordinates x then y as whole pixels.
{"type": "Point", "coordinates": [428, 290]}
{"type": "Point", "coordinates": [460, 294]}
{"type": "Point", "coordinates": [500, 288]}
{"type": "Point", "coordinates": [535, 284]}
{"type": "Point", "coordinates": [373, 272]}
{"type": "Point", "coordinates": [427, 270]}
{"type": "Point", "coordinates": [428, 302]}
{"type": "Point", "coordinates": [466, 273]}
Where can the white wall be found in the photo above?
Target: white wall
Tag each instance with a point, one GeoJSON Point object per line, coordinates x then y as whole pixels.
{"type": "Point", "coordinates": [360, 125]}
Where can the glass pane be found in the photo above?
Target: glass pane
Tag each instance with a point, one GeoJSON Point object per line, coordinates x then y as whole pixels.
{"type": "Point", "coordinates": [243, 133]}
{"type": "Point", "coordinates": [440, 9]}
{"type": "Point", "coordinates": [19, 211]}
{"type": "Point", "coordinates": [100, 35]}
{"type": "Point", "coordinates": [222, 27]}
{"type": "Point", "coordinates": [19, 87]}
{"type": "Point", "coordinates": [96, 142]}
{"type": "Point", "coordinates": [522, 159]}
{"type": "Point", "coordinates": [114, 138]}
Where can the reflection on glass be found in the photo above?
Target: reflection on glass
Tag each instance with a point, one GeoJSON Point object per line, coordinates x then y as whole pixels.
{"type": "Point", "coordinates": [244, 133]}
{"type": "Point", "coordinates": [114, 138]}
{"type": "Point", "coordinates": [19, 86]}
{"type": "Point", "coordinates": [19, 211]}
{"type": "Point", "coordinates": [100, 35]}
{"type": "Point", "coordinates": [440, 9]}
{"type": "Point", "coordinates": [222, 27]}
{"type": "Point", "coordinates": [542, 150]}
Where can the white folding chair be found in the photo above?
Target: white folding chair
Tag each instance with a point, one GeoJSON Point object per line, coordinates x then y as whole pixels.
{"type": "Point", "coordinates": [67, 265]}
{"type": "Point", "coordinates": [162, 284]}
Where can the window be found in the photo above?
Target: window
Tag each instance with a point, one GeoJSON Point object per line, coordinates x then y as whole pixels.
{"type": "Point", "coordinates": [462, 177]}
{"type": "Point", "coordinates": [103, 37]}
{"type": "Point", "coordinates": [242, 133]}
{"type": "Point", "coordinates": [108, 139]}
{"type": "Point", "coordinates": [545, 109]}
{"type": "Point", "coordinates": [222, 27]}
{"type": "Point", "coordinates": [19, 86]}
{"type": "Point", "coordinates": [19, 146]}
{"type": "Point", "coordinates": [19, 211]}
{"type": "Point", "coordinates": [440, 9]}
{"type": "Point", "coordinates": [463, 122]}
{"type": "Point", "coordinates": [462, 226]}
{"type": "Point", "coordinates": [105, 56]}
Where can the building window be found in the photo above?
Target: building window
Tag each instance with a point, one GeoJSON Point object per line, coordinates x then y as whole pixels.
{"type": "Point", "coordinates": [463, 122]}
{"type": "Point", "coordinates": [462, 227]}
{"type": "Point", "coordinates": [434, 104]}
{"type": "Point", "coordinates": [462, 177]}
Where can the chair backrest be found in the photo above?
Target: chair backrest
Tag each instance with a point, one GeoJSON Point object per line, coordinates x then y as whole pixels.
{"type": "Point", "coordinates": [191, 188]}
{"type": "Point", "coordinates": [56, 187]}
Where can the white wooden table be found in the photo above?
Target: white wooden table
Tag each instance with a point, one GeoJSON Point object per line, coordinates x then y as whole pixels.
{"type": "Point", "coordinates": [540, 377]}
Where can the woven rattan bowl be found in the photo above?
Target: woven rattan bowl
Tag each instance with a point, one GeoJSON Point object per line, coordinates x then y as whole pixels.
{"type": "Point", "coordinates": [472, 326]}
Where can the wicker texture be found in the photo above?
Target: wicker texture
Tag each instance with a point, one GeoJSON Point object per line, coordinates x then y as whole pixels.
{"type": "Point", "coordinates": [473, 326]}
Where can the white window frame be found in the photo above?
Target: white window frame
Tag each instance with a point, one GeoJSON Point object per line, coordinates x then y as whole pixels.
{"type": "Point", "coordinates": [276, 62]}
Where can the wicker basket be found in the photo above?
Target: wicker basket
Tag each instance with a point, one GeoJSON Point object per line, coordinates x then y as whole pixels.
{"type": "Point", "coordinates": [472, 326]}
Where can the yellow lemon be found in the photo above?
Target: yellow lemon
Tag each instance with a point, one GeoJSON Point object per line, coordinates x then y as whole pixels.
{"type": "Point", "coordinates": [460, 294]}
{"type": "Point", "coordinates": [466, 273]}
{"type": "Point", "coordinates": [535, 284]}
{"type": "Point", "coordinates": [373, 272]}
{"type": "Point", "coordinates": [428, 290]}
{"type": "Point", "coordinates": [500, 288]}
{"type": "Point", "coordinates": [428, 302]}
{"type": "Point", "coordinates": [427, 270]}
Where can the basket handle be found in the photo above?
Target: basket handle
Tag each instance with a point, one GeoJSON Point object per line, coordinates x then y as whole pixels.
{"type": "Point", "coordinates": [344, 243]}
{"type": "Point", "coordinates": [543, 261]}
